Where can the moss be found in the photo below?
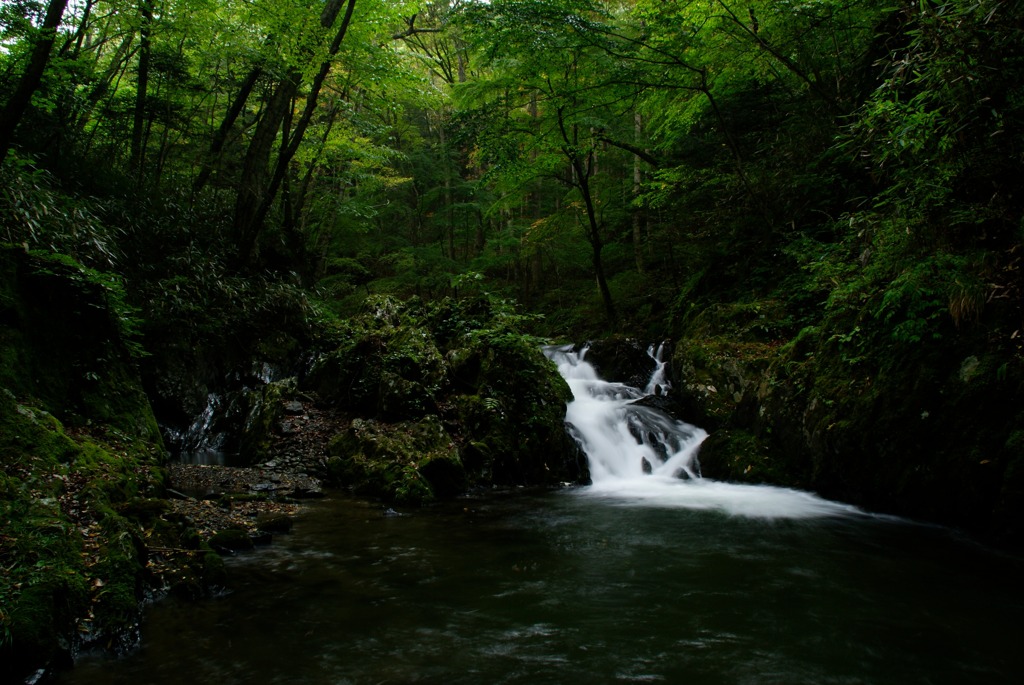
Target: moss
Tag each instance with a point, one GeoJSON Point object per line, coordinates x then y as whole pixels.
{"type": "Point", "coordinates": [502, 401]}
{"type": "Point", "coordinates": [391, 370]}
{"type": "Point", "coordinates": [144, 510]}
{"type": "Point", "coordinates": [859, 413]}
{"type": "Point", "coordinates": [65, 343]}
{"type": "Point", "coordinates": [409, 462]}
{"type": "Point", "coordinates": [738, 455]}
{"type": "Point", "coordinates": [76, 509]}
{"type": "Point", "coordinates": [263, 420]}
{"type": "Point", "coordinates": [116, 586]}
{"type": "Point", "coordinates": [513, 415]}
{"type": "Point", "coordinates": [719, 382]}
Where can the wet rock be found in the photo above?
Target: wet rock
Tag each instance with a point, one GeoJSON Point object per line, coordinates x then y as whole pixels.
{"type": "Point", "coordinates": [214, 481]}
{"type": "Point", "coordinates": [273, 523]}
{"type": "Point", "coordinates": [261, 538]}
{"type": "Point", "coordinates": [231, 540]}
{"type": "Point", "coordinates": [621, 360]}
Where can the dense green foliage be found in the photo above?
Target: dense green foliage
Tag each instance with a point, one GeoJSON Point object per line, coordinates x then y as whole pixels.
{"type": "Point", "coordinates": [683, 154]}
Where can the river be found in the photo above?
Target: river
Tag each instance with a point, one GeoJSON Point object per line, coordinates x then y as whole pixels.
{"type": "Point", "coordinates": [560, 587]}
{"type": "Point", "coordinates": [652, 574]}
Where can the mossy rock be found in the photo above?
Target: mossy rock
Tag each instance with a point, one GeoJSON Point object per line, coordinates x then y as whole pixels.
{"type": "Point", "coordinates": [410, 462]}
{"type": "Point", "coordinates": [620, 359]}
{"type": "Point", "coordinates": [719, 383]}
{"type": "Point", "coordinates": [394, 371]}
{"type": "Point", "coordinates": [64, 343]}
{"type": "Point", "coordinates": [231, 540]}
{"type": "Point", "coordinates": [145, 510]}
{"type": "Point", "coordinates": [513, 416]}
{"type": "Point", "coordinates": [262, 424]}
{"type": "Point", "coordinates": [739, 456]}
{"type": "Point", "coordinates": [71, 545]}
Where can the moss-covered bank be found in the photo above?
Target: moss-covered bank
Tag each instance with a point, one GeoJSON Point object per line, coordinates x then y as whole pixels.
{"type": "Point", "coordinates": [447, 396]}
{"type": "Point", "coordinates": [85, 536]}
{"type": "Point", "coordinates": [924, 426]}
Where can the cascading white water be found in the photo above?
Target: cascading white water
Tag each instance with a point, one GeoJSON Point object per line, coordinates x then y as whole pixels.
{"type": "Point", "coordinates": [640, 455]}
{"type": "Point", "coordinates": [200, 444]}
{"type": "Point", "coordinates": [621, 438]}
{"type": "Point", "coordinates": [658, 383]}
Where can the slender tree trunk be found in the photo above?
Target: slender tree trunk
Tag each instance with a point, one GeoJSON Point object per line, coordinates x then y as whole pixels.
{"type": "Point", "coordinates": [256, 196]}
{"type": "Point", "coordinates": [581, 172]}
{"type": "Point", "coordinates": [638, 212]}
{"type": "Point", "coordinates": [480, 239]}
{"type": "Point", "coordinates": [221, 135]}
{"type": "Point", "coordinates": [122, 54]}
{"type": "Point", "coordinates": [597, 245]}
{"type": "Point", "coordinates": [79, 38]}
{"type": "Point", "coordinates": [135, 160]}
{"type": "Point", "coordinates": [252, 185]}
{"type": "Point", "coordinates": [15, 108]}
{"type": "Point", "coordinates": [449, 218]}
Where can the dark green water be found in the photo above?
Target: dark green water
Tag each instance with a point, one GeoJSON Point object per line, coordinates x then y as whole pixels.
{"type": "Point", "coordinates": [560, 588]}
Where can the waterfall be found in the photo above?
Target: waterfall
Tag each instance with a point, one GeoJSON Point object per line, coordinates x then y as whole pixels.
{"type": "Point", "coordinates": [639, 454]}
{"type": "Point", "coordinates": [658, 384]}
{"type": "Point", "coordinates": [200, 443]}
{"type": "Point", "coordinates": [622, 438]}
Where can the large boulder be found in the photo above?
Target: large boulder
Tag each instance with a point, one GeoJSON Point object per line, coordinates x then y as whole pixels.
{"type": "Point", "coordinates": [511, 414]}
{"type": "Point", "coordinates": [622, 360]}
{"type": "Point", "coordinates": [386, 365]}
{"type": "Point", "coordinates": [65, 340]}
{"type": "Point", "coordinates": [500, 402]}
{"type": "Point", "coordinates": [410, 462]}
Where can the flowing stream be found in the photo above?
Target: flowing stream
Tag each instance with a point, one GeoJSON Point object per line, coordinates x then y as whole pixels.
{"type": "Point", "coordinates": [652, 574]}
{"type": "Point", "coordinates": [640, 454]}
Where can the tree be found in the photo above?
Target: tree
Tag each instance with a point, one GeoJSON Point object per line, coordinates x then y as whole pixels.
{"type": "Point", "coordinates": [42, 40]}
{"type": "Point", "coordinates": [256, 191]}
{"type": "Point", "coordinates": [553, 99]}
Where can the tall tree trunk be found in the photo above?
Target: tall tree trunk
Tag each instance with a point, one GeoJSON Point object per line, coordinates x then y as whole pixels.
{"type": "Point", "coordinates": [118, 61]}
{"type": "Point", "coordinates": [582, 169]}
{"type": "Point", "coordinates": [253, 183]}
{"type": "Point", "coordinates": [448, 210]}
{"type": "Point", "coordinates": [142, 86]}
{"type": "Point", "coordinates": [79, 37]}
{"type": "Point", "coordinates": [256, 196]}
{"type": "Point", "coordinates": [15, 108]}
{"type": "Point", "coordinates": [221, 135]}
{"type": "Point", "coordinates": [597, 245]}
{"type": "Point", "coordinates": [638, 212]}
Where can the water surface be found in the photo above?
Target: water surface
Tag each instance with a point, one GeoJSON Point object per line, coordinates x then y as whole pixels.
{"type": "Point", "coordinates": [584, 586]}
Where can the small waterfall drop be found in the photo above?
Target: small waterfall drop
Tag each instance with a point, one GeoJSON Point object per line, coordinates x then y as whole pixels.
{"type": "Point", "coordinates": [624, 439]}
{"type": "Point", "coordinates": [640, 455]}
{"type": "Point", "coordinates": [658, 384]}
{"type": "Point", "coordinates": [200, 443]}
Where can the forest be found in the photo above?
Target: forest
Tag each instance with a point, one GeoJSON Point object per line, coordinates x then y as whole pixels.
{"type": "Point", "coordinates": [812, 201]}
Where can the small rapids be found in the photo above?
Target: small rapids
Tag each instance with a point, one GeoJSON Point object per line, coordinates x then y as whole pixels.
{"type": "Point", "coordinates": [640, 455]}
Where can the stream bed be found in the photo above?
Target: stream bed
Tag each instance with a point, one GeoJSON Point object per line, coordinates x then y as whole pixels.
{"type": "Point", "coordinates": [575, 586]}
